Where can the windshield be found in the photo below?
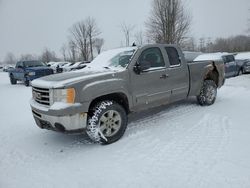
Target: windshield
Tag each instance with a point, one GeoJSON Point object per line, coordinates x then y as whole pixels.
{"type": "Point", "coordinates": [34, 64]}
{"type": "Point", "coordinates": [118, 58]}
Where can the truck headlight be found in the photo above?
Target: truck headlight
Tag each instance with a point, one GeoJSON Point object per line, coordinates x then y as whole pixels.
{"type": "Point", "coordinates": [64, 95]}
{"type": "Point", "coordinates": [31, 73]}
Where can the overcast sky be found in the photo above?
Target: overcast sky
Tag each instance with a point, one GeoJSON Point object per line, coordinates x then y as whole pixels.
{"type": "Point", "coordinates": [28, 26]}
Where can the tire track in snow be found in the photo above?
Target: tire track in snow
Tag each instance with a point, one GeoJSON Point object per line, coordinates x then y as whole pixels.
{"type": "Point", "coordinates": [190, 148]}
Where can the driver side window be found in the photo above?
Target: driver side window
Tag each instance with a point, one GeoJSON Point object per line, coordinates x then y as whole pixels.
{"type": "Point", "coordinates": [19, 64]}
{"type": "Point", "coordinates": [153, 57]}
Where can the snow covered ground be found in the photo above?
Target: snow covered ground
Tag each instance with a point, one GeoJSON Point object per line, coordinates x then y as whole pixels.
{"type": "Point", "coordinates": [182, 145]}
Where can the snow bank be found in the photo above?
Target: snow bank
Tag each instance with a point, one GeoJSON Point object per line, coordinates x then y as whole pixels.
{"type": "Point", "coordinates": [210, 57]}
{"type": "Point", "coordinates": [182, 145]}
{"type": "Point", "coordinates": [242, 56]}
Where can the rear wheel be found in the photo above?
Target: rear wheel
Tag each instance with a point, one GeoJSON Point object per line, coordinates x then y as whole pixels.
{"type": "Point", "coordinates": [208, 93]}
{"type": "Point", "coordinates": [243, 71]}
{"type": "Point", "coordinates": [26, 83]}
{"type": "Point", "coordinates": [107, 122]}
{"type": "Point", "coordinates": [13, 81]}
{"type": "Point", "coordinates": [240, 72]}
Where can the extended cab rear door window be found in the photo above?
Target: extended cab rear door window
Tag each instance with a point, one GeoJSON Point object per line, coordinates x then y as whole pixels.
{"type": "Point", "coordinates": [230, 58]}
{"type": "Point", "coordinates": [173, 56]}
{"type": "Point", "coordinates": [154, 57]}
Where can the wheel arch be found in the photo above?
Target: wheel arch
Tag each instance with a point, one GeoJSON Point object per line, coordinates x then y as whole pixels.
{"type": "Point", "coordinates": [212, 74]}
{"type": "Point", "coordinates": [118, 97]}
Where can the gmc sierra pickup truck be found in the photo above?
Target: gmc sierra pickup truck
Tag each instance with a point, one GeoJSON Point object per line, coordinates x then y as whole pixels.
{"type": "Point", "coordinates": [98, 98]}
{"type": "Point", "coordinates": [27, 71]}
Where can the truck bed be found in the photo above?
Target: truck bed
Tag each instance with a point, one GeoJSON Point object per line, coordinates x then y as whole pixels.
{"type": "Point", "coordinates": [197, 70]}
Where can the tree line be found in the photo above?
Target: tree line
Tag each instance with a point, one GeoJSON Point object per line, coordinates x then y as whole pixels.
{"type": "Point", "coordinates": [169, 22]}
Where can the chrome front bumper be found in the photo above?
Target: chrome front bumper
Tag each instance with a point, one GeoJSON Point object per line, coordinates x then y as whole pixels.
{"type": "Point", "coordinates": [75, 123]}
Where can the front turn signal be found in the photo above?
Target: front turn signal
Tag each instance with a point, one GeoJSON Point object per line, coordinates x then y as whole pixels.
{"type": "Point", "coordinates": [71, 95]}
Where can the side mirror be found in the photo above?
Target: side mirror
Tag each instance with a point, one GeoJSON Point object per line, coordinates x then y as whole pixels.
{"type": "Point", "coordinates": [49, 65]}
{"type": "Point", "coordinates": [144, 65]}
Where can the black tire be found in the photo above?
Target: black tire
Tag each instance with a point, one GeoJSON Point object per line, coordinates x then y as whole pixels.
{"type": "Point", "coordinates": [13, 81]}
{"type": "Point", "coordinates": [27, 83]}
{"type": "Point", "coordinates": [243, 71]}
{"type": "Point", "coordinates": [208, 93]}
{"type": "Point", "coordinates": [240, 72]}
{"type": "Point", "coordinates": [98, 130]}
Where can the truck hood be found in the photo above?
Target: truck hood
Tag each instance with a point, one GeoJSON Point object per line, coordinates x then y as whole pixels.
{"type": "Point", "coordinates": [69, 78]}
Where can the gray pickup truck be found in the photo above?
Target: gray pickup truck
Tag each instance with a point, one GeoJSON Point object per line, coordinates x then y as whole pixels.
{"type": "Point", "coordinates": [98, 99]}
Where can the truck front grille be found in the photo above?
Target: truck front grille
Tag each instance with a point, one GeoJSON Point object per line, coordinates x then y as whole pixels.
{"type": "Point", "coordinates": [41, 95]}
{"type": "Point", "coordinates": [42, 73]}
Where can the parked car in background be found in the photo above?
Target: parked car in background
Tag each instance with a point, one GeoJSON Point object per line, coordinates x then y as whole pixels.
{"type": "Point", "coordinates": [243, 62]}
{"type": "Point", "coordinates": [77, 66]}
{"type": "Point", "coordinates": [231, 68]}
{"type": "Point", "coordinates": [246, 67]}
{"type": "Point", "coordinates": [66, 67]}
{"type": "Point", "coordinates": [27, 71]}
{"type": "Point", "coordinates": [57, 66]}
{"type": "Point", "coordinates": [7, 68]}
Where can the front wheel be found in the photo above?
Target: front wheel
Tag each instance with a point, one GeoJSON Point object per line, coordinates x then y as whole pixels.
{"type": "Point", "coordinates": [13, 81]}
{"type": "Point", "coordinates": [240, 72]}
{"type": "Point", "coordinates": [208, 93]}
{"type": "Point", "coordinates": [107, 122]}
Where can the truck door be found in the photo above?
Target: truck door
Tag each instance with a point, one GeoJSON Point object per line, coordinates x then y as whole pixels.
{"type": "Point", "coordinates": [230, 65]}
{"type": "Point", "coordinates": [19, 73]}
{"type": "Point", "coordinates": [177, 70]}
{"type": "Point", "coordinates": [151, 86]}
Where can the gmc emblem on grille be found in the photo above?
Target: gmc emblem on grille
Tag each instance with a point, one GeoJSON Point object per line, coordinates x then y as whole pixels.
{"type": "Point", "coordinates": [37, 95]}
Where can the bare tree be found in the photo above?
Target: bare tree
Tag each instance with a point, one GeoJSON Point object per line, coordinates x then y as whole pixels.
{"type": "Point", "coordinates": [99, 42]}
{"type": "Point", "coordinates": [189, 44]}
{"type": "Point", "coordinates": [248, 22]}
{"type": "Point", "coordinates": [139, 37]}
{"type": "Point", "coordinates": [169, 22]}
{"type": "Point", "coordinates": [72, 51]}
{"type": "Point", "coordinates": [83, 34]}
{"type": "Point", "coordinates": [28, 57]}
{"type": "Point", "coordinates": [10, 59]}
{"type": "Point", "coordinates": [202, 44]}
{"type": "Point", "coordinates": [48, 56]}
{"type": "Point", "coordinates": [80, 36]}
{"type": "Point", "coordinates": [93, 32]}
{"type": "Point", "coordinates": [64, 52]}
{"type": "Point", "coordinates": [127, 31]}
{"type": "Point", "coordinates": [238, 43]}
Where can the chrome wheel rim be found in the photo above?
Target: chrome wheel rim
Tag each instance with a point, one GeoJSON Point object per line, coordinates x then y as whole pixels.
{"type": "Point", "coordinates": [110, 123]}
{"type": "Point", "coordinates": [211, 93]}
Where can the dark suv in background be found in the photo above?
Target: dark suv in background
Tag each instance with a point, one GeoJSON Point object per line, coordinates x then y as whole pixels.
{"type": "Point", "coordinates": [27, 71]}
